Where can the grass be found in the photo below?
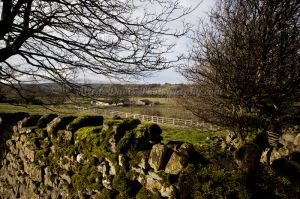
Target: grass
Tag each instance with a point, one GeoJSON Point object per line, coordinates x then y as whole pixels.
{"type": "Point", "coordinates": [191, 135]}
{"type": "Point", "coordinates": [66, 109]}
{"type": "Point", "coordinates": [165, 110]}
{"type": "Point", "coordinates": [168, 107]}
{"type": "Point", "coordinates": [175, 133]}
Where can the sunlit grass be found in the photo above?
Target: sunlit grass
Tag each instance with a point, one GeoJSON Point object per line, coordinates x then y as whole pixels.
{"type": "Point", "coordinates": [192, 135]}
{"type": "Point", "coordinates": [174, 133]}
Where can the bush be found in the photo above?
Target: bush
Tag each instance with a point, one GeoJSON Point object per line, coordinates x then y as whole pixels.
{"type": "Point", "coordinates": [288, 168]}
{"type": "Point", "coordinates": [269, 183]}
{"type": "Point", "coordinates": [212, 181]}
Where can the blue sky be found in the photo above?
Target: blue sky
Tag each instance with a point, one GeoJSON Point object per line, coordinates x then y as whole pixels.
{"type": "Point", "coordinates": [170, 75]}
{"type": "Point", "coordinates": [182, 46]}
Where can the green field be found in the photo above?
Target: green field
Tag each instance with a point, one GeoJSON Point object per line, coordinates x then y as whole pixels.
{"type": "Point", "coordinates": [168, 107]}
{"type": "Point", "coordinates": [191, 135]}
{"type": "Point", "coordinates": [174, 133]}
{"type": "Point", "coordinates": [37, 109]}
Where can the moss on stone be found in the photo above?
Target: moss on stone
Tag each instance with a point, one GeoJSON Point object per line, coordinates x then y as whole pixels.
{"type": "Point", "coordinates": [120, 127]}
{"type": "Point", "coordinates": [166, 178]}
{"type": "Point", "coordinates": [59, 123]}
{"type": "Point", "coordinates": [146, 194]}
{"type": "Point", "coordinates": [83, 121]}
{"type": "Point", "coordinates": [90, 141]}
{"type": "Point", "coordinates": [93, 161]}
{"type": "Point", "coordinates": [41, 133]}
{"type": "Point", "coordinates": [269, 183]}
{"type": "Point", "coordinates": [9, 119]}
{"type": "Point", "coordinates": [108, 194]}
{"type": "Point", "coordinates": [87, 134]}
{"type": "Point", "coordinates": [30, 121]}
{"type": "Point", "coordinates": [125, 142]}
{"type": "Point", "coordinates": [123, 185]}
{"type": "Point", "coordinates": [42, 155]}
{"type": "Point", "coordinates": [111, 123]}
{"type": "Point", "coordinates": [44, 120]}
{"type": "Point", "coordinates": [148, 133]}
{"type": "Point", "coordinates": [87, 178]}
{"type": "Point", "coordinates": [136, 157]}
{"type": "Point", "coordinates": [33, 140]}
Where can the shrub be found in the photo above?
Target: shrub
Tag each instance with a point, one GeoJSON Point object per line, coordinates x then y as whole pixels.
{"type": "Point", "coordinates": [212, 181]}
{"type": "Point", "coordinates": [269, 183]}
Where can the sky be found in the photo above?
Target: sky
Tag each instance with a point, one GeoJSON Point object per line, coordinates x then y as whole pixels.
{"type": "Point", "coordinates": [182, 46]}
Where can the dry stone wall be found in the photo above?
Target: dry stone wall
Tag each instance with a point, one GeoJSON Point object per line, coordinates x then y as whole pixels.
{"type": "Point", "coordinates": [54, 156]}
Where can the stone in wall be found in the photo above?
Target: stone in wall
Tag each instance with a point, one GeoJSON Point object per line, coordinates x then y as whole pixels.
{"type": "Point", "coordinates": [59, 123]}
{"type": "Point", "coordinates": [158, 156]}
{"type": "Point", "coordinates": [49, 166]}
{"type": "Point", "coordinates": [177, 162]}
{"type": "Point", "coordinates": [45, 119]}
{"type": "Point", "coordinates": [29, 121]}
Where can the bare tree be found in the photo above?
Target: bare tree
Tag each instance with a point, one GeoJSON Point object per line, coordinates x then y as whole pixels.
{"type": "Point", "coordinates": [250, 52]}
{"type": "Point", "coordinates": [55, 40]}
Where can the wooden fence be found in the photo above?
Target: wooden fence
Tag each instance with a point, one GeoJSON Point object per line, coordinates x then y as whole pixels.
{"type": "Point", "coordinates": [153, 119]}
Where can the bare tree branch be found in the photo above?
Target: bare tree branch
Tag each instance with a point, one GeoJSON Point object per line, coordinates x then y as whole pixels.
{"type": "Point", "coordinates": [53, 40]}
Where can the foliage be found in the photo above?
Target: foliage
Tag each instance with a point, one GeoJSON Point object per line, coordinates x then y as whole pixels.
{"type": "Point", "coordinates": [212, 181]}
{"type": "Point", "coordinates": [288, 168]}
{"type": "Point", "coordinates": [269, 183]}
{"type": "Point", "coordinates": [248, 57]}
